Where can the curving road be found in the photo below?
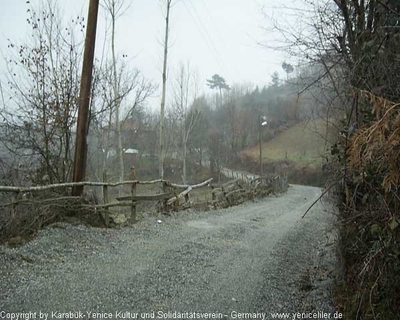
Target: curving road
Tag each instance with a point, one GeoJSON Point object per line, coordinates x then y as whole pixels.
{"type": "Point", "coordinates": [243, 262]}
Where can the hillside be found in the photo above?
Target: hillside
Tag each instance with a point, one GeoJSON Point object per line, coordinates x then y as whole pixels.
{"type": "Point", "coordinates": [304, 144]}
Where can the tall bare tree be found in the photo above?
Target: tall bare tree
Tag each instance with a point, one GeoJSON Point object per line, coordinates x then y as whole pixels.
{"type": "Point", "coordinates": [133, 91]}
{"type": "Point", "coordinates": [186, 117]}
{"type": "Point", "coordinates": [116, 8]}
{"type": "Point", "coordinates": [168, 4]}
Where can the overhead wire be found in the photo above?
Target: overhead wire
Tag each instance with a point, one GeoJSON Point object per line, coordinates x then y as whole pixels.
{"type": "Point", "coordinates": [220, 38]}
{"type": "Point", "coordinates": [210, 39]}
{"type": "Point", "coordinates": [215, 26]}
{"type": "Point", "coordinates": [206, 36]}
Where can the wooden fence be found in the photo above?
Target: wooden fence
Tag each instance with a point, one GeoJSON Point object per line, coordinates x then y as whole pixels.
{"type": "Point", "coordinates": [246, 187]}
{"type": "Point", "coordinates": [275, 184]}
{"type": "Point", "coordinates": [171, 195]}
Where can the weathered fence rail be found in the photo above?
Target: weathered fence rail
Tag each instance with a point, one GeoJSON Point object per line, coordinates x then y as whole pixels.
{"type": "Point", "coordinates": [246, 187]}
{"type": "Point", "coordinates": [171, 195]}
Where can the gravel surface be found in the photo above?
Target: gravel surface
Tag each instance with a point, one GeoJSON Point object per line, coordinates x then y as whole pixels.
{"type": "Point", "coordinates": [259, 257]}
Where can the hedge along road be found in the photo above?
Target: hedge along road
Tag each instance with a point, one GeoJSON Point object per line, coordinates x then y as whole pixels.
{"type": "Point", "coordinates": [259, 257]}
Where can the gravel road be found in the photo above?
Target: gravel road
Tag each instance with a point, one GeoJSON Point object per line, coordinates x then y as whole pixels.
{"type": "Point", "coordinates": [259, 257]}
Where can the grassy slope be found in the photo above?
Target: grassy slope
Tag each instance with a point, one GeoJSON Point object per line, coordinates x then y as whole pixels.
{"type": "Point", "coordinates": [303, 144]}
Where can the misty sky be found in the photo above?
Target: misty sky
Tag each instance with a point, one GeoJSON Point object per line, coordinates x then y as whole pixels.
{"type": "Point", "coordinates": [215, 36]}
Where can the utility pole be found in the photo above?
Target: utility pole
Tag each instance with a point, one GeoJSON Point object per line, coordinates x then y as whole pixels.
{"type": "Point", "coordinates": [262, 122]}
{"type": "Point", "coordinates": [260, 141]}
{"type": "Point", "coordinates": [84, 99]}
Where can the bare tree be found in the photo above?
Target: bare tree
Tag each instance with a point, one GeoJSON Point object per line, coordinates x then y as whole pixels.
{"type": "Point", "coordinates": [43, 91]}
{"type": "Point", "coordinates": [134, 89]}
{"type": "Point", "coordinates": [168, 4]}
{"type": "Point", "coordinates": [116, 8]}
{"type": "Point", "coordinates": [186, 118]}
{"type": "Point", "coordinates": [197, 144]}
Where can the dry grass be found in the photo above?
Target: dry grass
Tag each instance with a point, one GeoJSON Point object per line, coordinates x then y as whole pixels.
{"type": "Point", "coordinates": [370, 233]}
{"type": "Point", "coordinates": [38, 210]}
{"type": "Point", "coordinates": [303, 144]}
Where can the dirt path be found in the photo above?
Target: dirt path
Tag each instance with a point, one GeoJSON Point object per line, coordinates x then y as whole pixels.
{"type": "Point", "coordinates": [257, 257]}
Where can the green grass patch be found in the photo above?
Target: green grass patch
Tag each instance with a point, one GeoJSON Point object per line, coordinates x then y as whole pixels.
{"type": "Point", "coordinates": [304, 143]}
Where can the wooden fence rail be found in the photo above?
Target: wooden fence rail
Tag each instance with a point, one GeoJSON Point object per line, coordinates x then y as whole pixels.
{"type": "Point", "coordinates": [172, 195]}
{"type": "Point", "coordinates": [87, 183]}
{"type": "Point", "coordinates": [168, 197]}
{"type": "Point", "coordinates": [246, 187]}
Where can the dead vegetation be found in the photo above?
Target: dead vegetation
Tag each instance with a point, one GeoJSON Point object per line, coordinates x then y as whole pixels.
{"type": "Point", "coordinates": [370, 233]}
{"type": "Point", "coordinates": [37, 210]}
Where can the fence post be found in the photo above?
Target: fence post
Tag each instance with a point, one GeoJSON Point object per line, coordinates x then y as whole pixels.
{"type": "Point", "coordinates": [105, 198]}
{"type": "Point", "coordinates": [133, 208]}
{"type": "Point", "coordinates": [165, 189]}
{"type": "Point", "coordinates": [133, 193]}
{"type": "Point", "coordinates": [186, 197]}
{"type": "Point", "coordinates": [14, 204]}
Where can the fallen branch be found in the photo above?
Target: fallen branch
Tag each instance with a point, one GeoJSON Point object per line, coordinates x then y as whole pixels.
{"type": "Point", "coordinates": [154, 197]}
{"type": "Point", "coordinates": [181, 195]}
{"type": "Point", "coordinates": [233, 192]}
{"type": "Point", "coordinates": [112, 204]}
{"type": "Point", "coordinates": [188, 189]}
{"type": "Point", "coordinates": [319, 198]}
{"type": "Point", "coordinates": [186, 186]}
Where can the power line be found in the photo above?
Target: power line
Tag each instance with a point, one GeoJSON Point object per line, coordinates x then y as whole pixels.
{"type": "Point", "coordinates": [207, 38]}
{"type": "Point", "coordinates": [216, 29]}
{"type": "Point", "coordinates": [210, 38]}
{"type": "Point", "coordinates": [221, 39]}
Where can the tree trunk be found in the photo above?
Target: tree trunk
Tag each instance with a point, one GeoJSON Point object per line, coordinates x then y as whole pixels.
{"type": "Point", "coordinates": [184, 148]}
{"type": "Point", "coordinates": [120, 150]}
{"type": "Point", "coordinates": [164, 85]}
{"type": "Point", "coordinates": [201, 156]}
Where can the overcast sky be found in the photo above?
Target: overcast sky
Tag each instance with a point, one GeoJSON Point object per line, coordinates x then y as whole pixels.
{"type": "Point", "coordinates": [215, 36]}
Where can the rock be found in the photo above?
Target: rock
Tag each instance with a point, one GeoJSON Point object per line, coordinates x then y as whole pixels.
{"type": "Point", "coordinates": [118, 218]}
{"type": "Point", "coordinates": [27, 259]}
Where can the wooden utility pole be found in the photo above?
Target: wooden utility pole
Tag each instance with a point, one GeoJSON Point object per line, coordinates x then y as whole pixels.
{"type": "Point", "coordinates": [260, 142]}
{"type": "Point", "coordinates": [84, 98]}
{"type": "Point", "coordinates": [262, 121]}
